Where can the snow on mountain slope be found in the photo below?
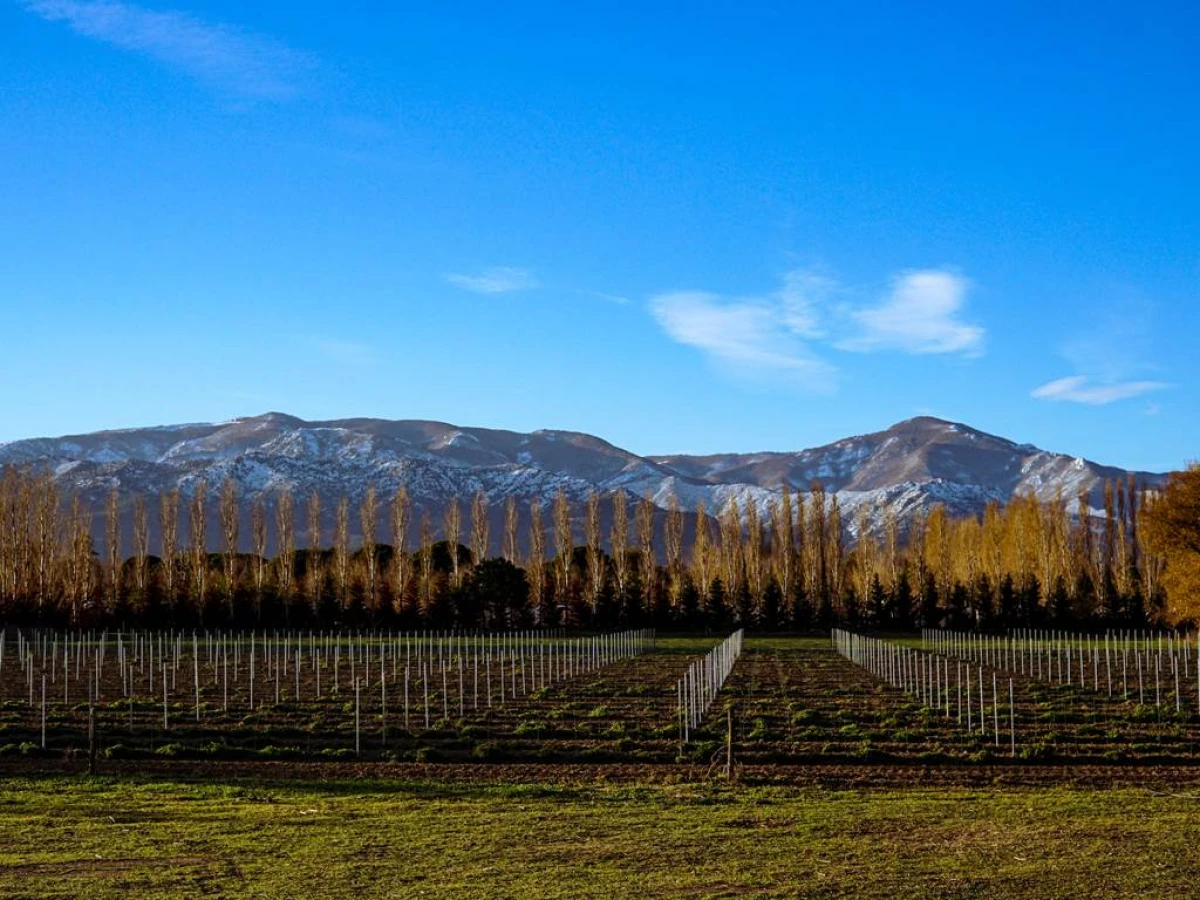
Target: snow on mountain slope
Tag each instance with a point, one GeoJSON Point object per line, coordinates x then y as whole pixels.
{"type": "Point", "coordinates": [909, 467]}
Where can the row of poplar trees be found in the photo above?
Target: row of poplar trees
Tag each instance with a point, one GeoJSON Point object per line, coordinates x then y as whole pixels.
{"type": "Point", "coordinates": [792, 566]}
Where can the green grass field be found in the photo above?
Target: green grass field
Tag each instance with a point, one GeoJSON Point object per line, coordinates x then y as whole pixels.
{"type": "Point", "coordinates": [67, 837]}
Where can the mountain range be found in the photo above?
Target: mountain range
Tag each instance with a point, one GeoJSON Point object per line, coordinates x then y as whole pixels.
{"type": "Point", "coordinates": [911, 466]}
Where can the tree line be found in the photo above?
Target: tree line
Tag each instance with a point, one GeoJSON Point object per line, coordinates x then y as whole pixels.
{"type": "Point", "coordinates": [791, 566]}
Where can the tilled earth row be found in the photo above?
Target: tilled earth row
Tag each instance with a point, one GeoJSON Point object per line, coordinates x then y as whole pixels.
{"type": "Point", "coordinates": [808, 704]}
{"type": "Point", "coordinates": [792, 705]}
{"type": "Point", "coordinates": [1183, 781]}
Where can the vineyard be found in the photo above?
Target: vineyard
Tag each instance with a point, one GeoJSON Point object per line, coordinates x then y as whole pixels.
{"type": "Point", "coordinates": [624, 697]}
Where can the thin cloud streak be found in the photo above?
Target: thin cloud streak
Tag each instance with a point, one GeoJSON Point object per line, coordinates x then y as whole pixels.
{"type": "Point", "coordinates": [1077, 389]}
{"type": "Point", "coordinates": [1111, 359]}
{"type": "Point", "coordinates": [223, 56]}
{"type": "Point", "coordinates": [496, 280]}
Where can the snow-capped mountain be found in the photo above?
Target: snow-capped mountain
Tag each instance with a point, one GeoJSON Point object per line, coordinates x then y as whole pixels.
{"type": "Point", "coordinates": [909, 467]}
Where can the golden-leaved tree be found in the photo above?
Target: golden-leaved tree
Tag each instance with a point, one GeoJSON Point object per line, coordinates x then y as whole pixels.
{"type": "Point", "coordinates": [1171, 525]}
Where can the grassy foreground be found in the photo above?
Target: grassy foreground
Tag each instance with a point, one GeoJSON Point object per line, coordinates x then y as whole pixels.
{"type": "Point", "coordinates": [64, 837]}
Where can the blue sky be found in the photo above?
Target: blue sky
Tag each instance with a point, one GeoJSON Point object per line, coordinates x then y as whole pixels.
{"type": "Point", "coordinates": [687, 228]}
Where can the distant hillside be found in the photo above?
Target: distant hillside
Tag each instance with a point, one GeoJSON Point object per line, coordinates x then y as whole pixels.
{"type": "Point", "coordinates": [909, 467]}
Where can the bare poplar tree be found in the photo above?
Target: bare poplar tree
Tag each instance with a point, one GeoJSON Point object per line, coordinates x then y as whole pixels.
{"type": "Point", "coordinates": [512, 548]}
{"type": "Point", "coordinates": [112, 542]}
{"type": "Point", "coordinates": [313, 572]}
{"type": "Point", "coordinates": [817, 542]}
{"type": "Point", "coordinates": [731, 546]}
{"type": "Point", "coordinates": [753, 554]}
{"type": "Point", "coordinates": [702, 553]}
{"type": "Point", "coordinates": [10, 532]}
{"type": "Point", "coordinates": [80, 557]}
{"type": "Point", "coordinates": [341, 550]}
{"type": "Point", "coordinates": [536, 570]}
{"type": "Point", "coordinates": [198, 547]}
{"type": "Point", "coordinates": [285, 540]}
{"type": "Point", "coordinates": [228, 513]}
{"type": "Point", "coordinates": [1132, 497]}
{"type": "Point", "coordinates": [796, 522]}
{"type": "Point", "coordinates": [141, 546]}
{"type": "Point", "coordinates": [480, 530]}
{"type": "Point", "coordinates": [1087, 545]}
{"type": "Point", "coordinates": [168, 521]}
{"type": "Point", "coordinates": [866, 552]}
{"type": "Point", "coordinates": [781, 546]}
{"type": "Point", "coordinates": [891, 550]}
{"type": "Point", "coordinates": [674, 541]}
{"type": "Point", "coordinates": [595, 556]}
{"type": "Point", "coordinates": [1108, 549]}
{"type": "Point", "coordinates": [368, 513]}
{"type": "Point", "coordinates": [646, 560]}
{"type": "Point", "coordinates": [836, 545]}
{"type": "Point", "coordinates": [425, 587]}
{"type": "Point", "coordinates": [620, 540]}
{"type": "Point", "coordinates": [563, 544]}
{"type": "Point", "coordinates": [401, 512]}
{"type": "Point", "coordinates": [453, 532]}
{"type": "Point", "coordinates": [258, 536]}
{"type": "Point", "coordinates": [45, 535]}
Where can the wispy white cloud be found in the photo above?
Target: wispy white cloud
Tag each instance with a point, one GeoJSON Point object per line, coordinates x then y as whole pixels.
{"type": "Point", "coordinates": [1078, 389]}
{"type": "Point", "coordinates": [750, 336]}
{"type": "Point", "coordinates": [619, 299]}
{"type": "Point", "coordinates": [1111, 358]}
{"type": "Point", "coordinates": [782, 331]}
{"type": "Point", "coordinates": [804, 297]}
{"type": "Point", "coordinates": [921, 315]}
{"type": "Point", "coordinates": [496, 280]}
{"type": "Point", "coordinates": [223, 56]}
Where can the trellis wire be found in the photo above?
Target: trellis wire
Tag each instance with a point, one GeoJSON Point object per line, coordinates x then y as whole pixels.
{"type": "Point", "coordinates": [929, 678]}
{"type": "Point", "coordinates": [201, 668]}
{"type": "Point", "coordinates": [702, 681]}
{"type": "Point", "coordinates": [1115, 663]}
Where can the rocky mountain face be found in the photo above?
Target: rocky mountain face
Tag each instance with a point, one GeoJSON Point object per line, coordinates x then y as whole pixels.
{"type": "Point", "coordinates": [910, 467]}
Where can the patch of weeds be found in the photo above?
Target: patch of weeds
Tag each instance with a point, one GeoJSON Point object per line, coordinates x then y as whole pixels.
{"type": "Point", "coordinates": [804, 716]}
{"type": "Point", "coordinates": [1039, 752]}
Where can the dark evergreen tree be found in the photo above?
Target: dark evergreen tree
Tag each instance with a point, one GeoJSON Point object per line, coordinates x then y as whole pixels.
{"type": "Point", "coordinates": [957, 605]}
{"type": "Point", "coordinates": [1029, 608]}
{"type": "Point", "coordinates": [877, 605]}
{"type": "Point", "coordinates": [1006, 602]}
{"type": "Point", "coordinates": [688, 614]}
{"type": "Point", "coordinates": [983, 603]}
{"type": "Point", "coordinates": [772, 606]}
{"type": "Point", "coordinates": [1058, 605]}
{"type": "Point", "coordinates": [902, 603]}
{"type": "Point", "coordinates": [930, 613]}
{"type": "Point", "coordinates": [716, 611]}
{"type": "Point", "coordinates": [801, 608]}
{"type": "Point", "coordinates": [852, 612]}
